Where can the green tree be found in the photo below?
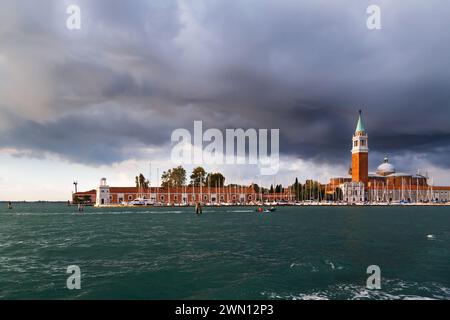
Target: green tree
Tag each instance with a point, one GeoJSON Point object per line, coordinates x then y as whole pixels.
{"type": "Point", "coordinates": [178, 176]}
{"type": "Point", "coordinates": [296, 189]}
{"type": "Point", "coordinates": [198, 177]}
{"type": "Point", "coordinates": [175, 177]}
{"type": "Point", "coordinates": [141, 182]}
{"type": "Point", "coordinates": [339, 194]}
{"type": "Point", "coordinates": [166, 181]}
{"type": "Point", "coordinates": [313, 190]}
{"type": "Point", "coordinates": [279, 188]}
{"type": "Point", "coordinates": [256, 188]}
{"type": "Point", "coordinates": [215, 180]}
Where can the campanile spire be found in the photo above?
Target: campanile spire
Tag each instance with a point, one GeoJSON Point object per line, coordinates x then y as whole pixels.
{"type": "Point", "coordinates": [360, 126]}
{"type": "Point", "coordinates": [360, 153]}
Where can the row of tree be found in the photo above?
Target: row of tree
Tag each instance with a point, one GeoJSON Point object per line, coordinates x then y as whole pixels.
{"type": "Point", "coordinates": [314, 190]}
{"type": "Point", "coordinates": [177, 177]}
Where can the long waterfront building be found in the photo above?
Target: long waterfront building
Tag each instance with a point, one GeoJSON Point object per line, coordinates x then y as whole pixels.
{"type": "Point", "coordinates": [106, 195]}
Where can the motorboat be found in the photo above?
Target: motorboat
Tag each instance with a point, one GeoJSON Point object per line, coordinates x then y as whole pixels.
{"type": "Point", "coordinates": [265, 210]}
{"type": "Point", "coordinates": [138, 202]}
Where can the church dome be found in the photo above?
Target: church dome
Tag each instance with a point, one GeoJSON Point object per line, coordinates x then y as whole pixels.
{"type": "Point", "coordinates": [385, 168]}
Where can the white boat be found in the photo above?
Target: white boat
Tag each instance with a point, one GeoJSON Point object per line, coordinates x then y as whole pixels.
{"type": "Point", "coordinates": [138, 202]}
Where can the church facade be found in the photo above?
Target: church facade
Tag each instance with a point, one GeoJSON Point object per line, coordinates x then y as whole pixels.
{"type": "Point", "coordinates": [385, 185]}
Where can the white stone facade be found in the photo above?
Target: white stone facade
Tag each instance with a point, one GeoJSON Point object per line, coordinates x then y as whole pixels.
{"type": "Point", "coordinates": [353, 192]}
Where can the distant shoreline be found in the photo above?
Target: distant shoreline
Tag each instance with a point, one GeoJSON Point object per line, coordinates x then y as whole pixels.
{"type": "Point", "coordinates": [282, 205]}
{"type": "Point", "coordinates": [240, 205]}
{"type": "Point", "coordinates": [33, 201]}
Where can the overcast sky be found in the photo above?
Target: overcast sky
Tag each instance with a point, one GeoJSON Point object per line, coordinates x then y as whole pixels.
{"type": "Point", "coordinates": [104, 100]}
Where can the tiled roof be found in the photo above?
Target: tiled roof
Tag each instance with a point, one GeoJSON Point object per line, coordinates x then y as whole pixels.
{"type": "Point", "coordinates": [80, 193]}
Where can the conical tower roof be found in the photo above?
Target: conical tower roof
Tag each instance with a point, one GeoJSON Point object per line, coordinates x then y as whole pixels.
{"type": "Point", "coordinates": [360, 126]}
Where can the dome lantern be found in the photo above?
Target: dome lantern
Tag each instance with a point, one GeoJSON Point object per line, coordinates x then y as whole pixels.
{"type": "Point", "coordinates": [385, 168]}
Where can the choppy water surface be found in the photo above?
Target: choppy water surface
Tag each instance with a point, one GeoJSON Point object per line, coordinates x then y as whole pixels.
{"type": "Point", "coordinates": [227, 253]}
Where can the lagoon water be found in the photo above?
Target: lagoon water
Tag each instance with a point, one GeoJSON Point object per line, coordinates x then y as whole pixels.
{"type": "Point", "coordinates": [227, 253]}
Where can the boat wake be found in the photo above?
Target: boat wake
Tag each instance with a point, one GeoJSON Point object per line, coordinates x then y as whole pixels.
{"type": "Point", "coordinates": [393, 290]}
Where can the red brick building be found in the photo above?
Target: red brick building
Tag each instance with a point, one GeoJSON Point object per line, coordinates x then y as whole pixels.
{"type": "Point", "coordinates": [105, 195]}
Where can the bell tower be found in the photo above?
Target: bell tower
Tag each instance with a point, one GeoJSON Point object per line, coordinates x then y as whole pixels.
{"type": "Point", "coordinates": [360, 153]}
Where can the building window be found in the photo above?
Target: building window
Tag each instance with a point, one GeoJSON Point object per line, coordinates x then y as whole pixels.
{"type": "Point", "coordinates": [130, 197]}
{"type": "Point", "coordinates": [363, 143]}
{"type": "Point", "coordinates": [355, 143]}
{"type": "Point", "coordinates": [175, 198]}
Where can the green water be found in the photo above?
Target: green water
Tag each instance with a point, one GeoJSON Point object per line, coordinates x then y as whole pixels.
{"type": "Point", "coordinates": [227, 253]}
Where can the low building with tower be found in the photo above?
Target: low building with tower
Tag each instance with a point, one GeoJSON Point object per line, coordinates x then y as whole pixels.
{"type": "Point", "coordinates": [106, 195]}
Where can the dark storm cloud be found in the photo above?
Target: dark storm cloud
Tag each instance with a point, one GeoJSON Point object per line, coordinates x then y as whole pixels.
{"type": "Point", "coordinates": [305, 67]}
{"type": "Point", "coordinates": [96, 137]}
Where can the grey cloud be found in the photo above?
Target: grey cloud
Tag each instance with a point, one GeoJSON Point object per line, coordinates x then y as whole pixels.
{"type": "Point", "coordinates": [305, 67]}
{"type": "Point", "coordinates": [105, 134]}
